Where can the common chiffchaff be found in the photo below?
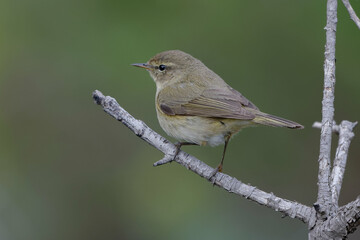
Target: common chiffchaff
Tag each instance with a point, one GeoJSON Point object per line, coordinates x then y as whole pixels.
{"type": "Point", "coordinates": [197, 107]}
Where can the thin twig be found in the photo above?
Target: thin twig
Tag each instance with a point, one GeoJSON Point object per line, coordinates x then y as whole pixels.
{"type": "Point", "coordinates": [345, 136]}
{"type": "Point", "coordinates": [352, 13]}
{"type": "Point", "coordinates": [231, 184]}
{"type": "Point", "coordinates": [324, 193]}
{"type": "Point", "coordinates": [335, 128]}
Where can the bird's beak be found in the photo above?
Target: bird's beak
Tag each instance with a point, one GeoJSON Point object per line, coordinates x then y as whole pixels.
{"type": "Point", "coordinates": [142, 65]}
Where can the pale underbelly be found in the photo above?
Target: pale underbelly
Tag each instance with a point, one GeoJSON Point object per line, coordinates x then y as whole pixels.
{"type": "Point", "coordinates": [201, 130]}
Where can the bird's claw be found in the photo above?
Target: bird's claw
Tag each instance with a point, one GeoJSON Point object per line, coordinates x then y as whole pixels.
{"type": "Point", "coordinates": [213, 174]}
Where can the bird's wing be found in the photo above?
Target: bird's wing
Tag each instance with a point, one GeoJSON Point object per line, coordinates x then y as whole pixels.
{"type": "Point", "coordinates": [210, 101]}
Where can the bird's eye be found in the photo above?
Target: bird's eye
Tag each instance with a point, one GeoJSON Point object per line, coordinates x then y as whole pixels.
{"type": "Point", "coordinates": [162, 67]}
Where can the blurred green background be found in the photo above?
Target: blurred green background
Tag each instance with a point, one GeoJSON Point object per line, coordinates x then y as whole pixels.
{"type": "Point", "coordinates": [70, 171]}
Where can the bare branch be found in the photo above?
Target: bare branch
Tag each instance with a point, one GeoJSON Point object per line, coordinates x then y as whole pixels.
{"type": "Point", "coordinates": [231, 184]}
{"type": "Point", "coordinates": [351, 213]}
{"type": "Point", "coordinates": [335, 128]}
{"type": "Point", "coordinates": [352, 13]}
{"type": "Point", "coordinates": [324, 193]}
{"type": "Point", "coordinates": [345, 136]}
{"type": "Point", "coordinates": [339, 225]}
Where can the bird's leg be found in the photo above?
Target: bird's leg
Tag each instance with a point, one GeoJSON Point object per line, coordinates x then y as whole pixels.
{"type": "Point", "coordinates": [178, 146]}
{"type": "Point", "coordinates": [220, 166]}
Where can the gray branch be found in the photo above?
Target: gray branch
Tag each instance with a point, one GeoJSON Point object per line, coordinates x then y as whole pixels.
{"type": "Point", "coordinates": [231, 184]}
{"type": "Point", "coordinates": [339, 225]}
{"type": "Point", "coordinates": [352, 13]}
{"type": "Point", "coordinates": [345, 131]}
{"type": "Point", "coordinates": [335, 128]}
{"type": "Point", "coordinates": [342, 222]}
{"type": "Point", "coordinates": [345, 136]}
{"type": "Point", "coordinates": [332, 222]}
{"type": "Point", "coordinates": [324, 192]}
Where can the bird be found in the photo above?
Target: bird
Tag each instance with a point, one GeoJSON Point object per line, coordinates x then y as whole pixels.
{"type": "Point", "coordinates": [197, 107]}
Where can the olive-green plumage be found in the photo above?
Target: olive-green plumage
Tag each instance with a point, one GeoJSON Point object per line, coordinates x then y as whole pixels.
{"type": "Point", "coordinates": [195, 105]}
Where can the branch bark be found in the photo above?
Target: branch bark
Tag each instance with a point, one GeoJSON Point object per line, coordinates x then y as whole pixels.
{"type": "Point", "coordinates": [345, 136]}
{"type": "Point", "coordinates": [324, 192]}
{"type": "Point", "coordinates": [231, 184]}
{"type": "Point", "coordinates": [335, 128]}
{"type": "Point", "coordinates": [352, 13]}
{"type": "Point", "coordinates": [339, 225]}
{"type": "Point", "coordinates": [345, 132]}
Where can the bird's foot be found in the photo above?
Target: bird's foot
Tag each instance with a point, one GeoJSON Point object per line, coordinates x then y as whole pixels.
{"type": "Point", "coordinates": [178, 147]}
{"type": "Point", "coordinates": [219, 168]}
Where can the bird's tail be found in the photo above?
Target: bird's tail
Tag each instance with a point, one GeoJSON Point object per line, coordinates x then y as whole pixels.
{"type": "Point", "coordinates": [274, 121]}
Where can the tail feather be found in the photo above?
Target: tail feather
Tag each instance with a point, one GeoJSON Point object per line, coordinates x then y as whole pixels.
{"type": "Point", "coordinates": [274, 121]}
